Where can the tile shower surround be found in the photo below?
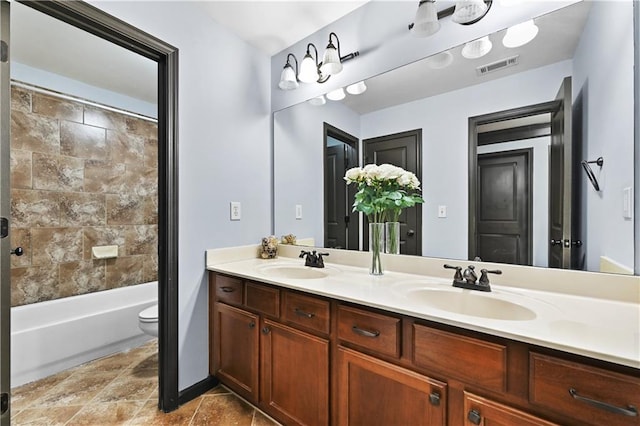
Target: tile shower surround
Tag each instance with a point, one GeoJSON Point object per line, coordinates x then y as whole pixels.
{"type": "Point", "coordinates": [81, 176]}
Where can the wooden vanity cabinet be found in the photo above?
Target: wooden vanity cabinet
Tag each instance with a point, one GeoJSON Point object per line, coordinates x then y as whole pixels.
{"type": "Point", "coordinates": [309, 360]}
{"type": "Point", "coordinates": [263, 357]}
{"type": "Point", "coordinates": [376, 392]}
{"type": "Point", "coordinates": [234, 356]}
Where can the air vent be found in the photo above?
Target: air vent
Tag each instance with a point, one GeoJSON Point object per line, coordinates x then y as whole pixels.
{"type": "Point", "coordinates": [497, 65]}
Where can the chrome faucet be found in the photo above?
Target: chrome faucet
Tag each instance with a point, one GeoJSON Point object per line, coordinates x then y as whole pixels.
{"type": "Point", "coordinates": [469, 278]}
{"type": "Point", "coordinates": [313, 258]}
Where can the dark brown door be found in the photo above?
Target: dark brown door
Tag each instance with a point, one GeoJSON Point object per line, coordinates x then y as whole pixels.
{"type": "Point", "coordinates": [402, 150]}
{"type": "Point", "coordinates": [503, 208]}
{"type": "Point", "coordinates": [340, 223]}
{"type": "Point", "coordinates": [561, 239]}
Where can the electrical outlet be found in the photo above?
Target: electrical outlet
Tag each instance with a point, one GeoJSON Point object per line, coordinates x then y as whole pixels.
{"type": "Point", "coordinates": [442, 211]}
{"type": "Point", "coordinates": [298, 211]}
{"type": "Point", "coordinates": [236, 212]}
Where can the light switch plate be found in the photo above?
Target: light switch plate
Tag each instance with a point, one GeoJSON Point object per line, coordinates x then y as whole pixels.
{"type": "Point", "coordinates": [298, 211]}
{"type": "Point", "coordinates": [236, 211]}
{"type": "Point", "coordinates": [442, 211]}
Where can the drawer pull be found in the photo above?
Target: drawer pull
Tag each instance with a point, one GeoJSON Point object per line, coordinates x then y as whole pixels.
{"type": "Point", "coordinates": [434, 398]}
{"type": "Point", "coordinates": [227, 289]}
{"type": "Point", "coordinates": [474, 417]}
{"type": "Point", "coordinates": [630, 411]}
{"type": "Point", "coordinates": [365, 333]}
{"type": "Point", "coordinates": [302, 313]}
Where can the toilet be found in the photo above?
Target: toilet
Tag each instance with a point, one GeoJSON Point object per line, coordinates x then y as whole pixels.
{"type": "Point", "coordinates": [148, 320]}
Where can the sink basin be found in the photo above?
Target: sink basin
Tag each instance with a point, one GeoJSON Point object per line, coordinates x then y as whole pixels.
{"type": "Point", "coordinates": [468, 302]}
{"type": "Point", "coordinates": [294, 272]}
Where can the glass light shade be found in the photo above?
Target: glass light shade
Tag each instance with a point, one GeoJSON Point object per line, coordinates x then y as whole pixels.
{"type": "Point", "coordinates": [520, 34]}
{"type": "Point", "coordinates": [318, 101]}
{"type": "Point", "coordinates": [426, 21]}
{"type": "Point", "coordinates": [357, 88]}
{"type": "Point", "coordinates": [331, 61]}
{"type": "Point", "coordinates": [336, 95]}
{"type": "Point", "coordinates": [439, 61]}
{"type": "Point", "coordinates": [468, 10]}
{"type": "Point", "coordinates": [288, 80]}
{"type": "Point", "coordinates": [477, 48]}
{"type": "Point", "coordinates": [308, 70]}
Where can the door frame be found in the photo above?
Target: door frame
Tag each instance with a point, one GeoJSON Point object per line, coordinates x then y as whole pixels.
{"type": "Point", "coordinates": [474, 122]}
{"type": "Point", "coordinates": [354, 218]}
{"type": "Point", "coordinates": [99, 23]}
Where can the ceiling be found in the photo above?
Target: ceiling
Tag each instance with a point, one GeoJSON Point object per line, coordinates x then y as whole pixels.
{"type": "Point", "coordinates": [272, 26]}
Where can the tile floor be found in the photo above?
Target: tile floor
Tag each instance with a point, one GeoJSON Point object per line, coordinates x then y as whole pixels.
{"type": "Point", "coordinates": [122, 390]}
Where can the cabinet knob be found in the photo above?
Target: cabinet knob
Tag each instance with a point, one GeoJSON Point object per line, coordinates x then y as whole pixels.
{"type": "Point", "coordinates": [18, 251]}
{"type": "Point", "coordinates": [252, 325]}
{"type": "Point", "coordinates": [474, 417]}
{"type": "Point", "coordinates": [266, 330]}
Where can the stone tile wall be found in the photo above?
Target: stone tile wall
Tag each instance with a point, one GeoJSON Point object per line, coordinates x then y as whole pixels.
{"type": "Point", "coordinates": [81, 176]}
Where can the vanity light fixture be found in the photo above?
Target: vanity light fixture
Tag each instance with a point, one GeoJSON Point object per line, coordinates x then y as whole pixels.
{"type": "Point", "coordinates": [520, 34]}
{"type": "Point", "coordinates": [289, 76]}
{"type": "Point", "coordinates": [309, 68]}
{"type": "Point", "coordinates": [465, 12]}
{"type": "Point", "coordinates": [318, 101]}
{"type": "Point", "coordinates": [426, 21]}
{"type": "Point", "coordinates": [357, 88]}
{"type": "Point", "coordinates": [336, 95]}
{"type": "Point", "coordinates": [440, 60]}
{"type": "Point", "coordinates": [331, 62]}
{"type": "Point", "coordinates": [469, 12]}
{"type": "Point", "coordinates": [477, 48]}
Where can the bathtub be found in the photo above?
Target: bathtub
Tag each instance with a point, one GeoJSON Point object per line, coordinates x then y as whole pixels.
{"type": "Point", "coordinates": [52, 336]}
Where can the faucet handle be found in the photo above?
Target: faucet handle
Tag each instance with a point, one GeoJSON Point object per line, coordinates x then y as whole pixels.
{"type": "Point", "coordinates": [321, 260]}
{"type": "Point", "coordinates": [304, 253]}
{"type": "Point", "coordinates": [484, 278]}
{"type": "Point", "coordinates": [458, 274]}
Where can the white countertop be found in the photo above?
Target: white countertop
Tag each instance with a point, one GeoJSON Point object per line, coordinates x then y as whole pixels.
{"type": "Point", "coordinates": [603, 328]}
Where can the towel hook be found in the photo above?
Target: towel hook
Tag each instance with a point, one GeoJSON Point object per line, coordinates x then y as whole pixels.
{"type": "Point", "coordinates": [590, 174]}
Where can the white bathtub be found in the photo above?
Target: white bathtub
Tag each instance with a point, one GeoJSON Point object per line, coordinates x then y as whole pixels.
{"type": "Point", "coordinates": [53, 336]}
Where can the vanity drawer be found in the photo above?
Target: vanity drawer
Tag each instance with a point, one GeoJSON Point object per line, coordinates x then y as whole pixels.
{"type": "Point", "coordinates": [306, 311]}
{"type": "Point", "coordinates": [262, 298]}
{"type": "Point", "coordinates": [600, 397]}
{"type": "Point", "coordinates": [465, 358]}
{"type": "Point", "coordinates": [374, 332]}
{"type": "Point", "coordinates": [228, 289]}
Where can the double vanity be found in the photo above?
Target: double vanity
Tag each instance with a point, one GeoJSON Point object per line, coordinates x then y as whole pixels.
{"type": "Point", "coordinates": [335, 345]}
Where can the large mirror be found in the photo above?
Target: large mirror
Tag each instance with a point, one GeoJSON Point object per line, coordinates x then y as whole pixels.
{"type": "Point", "coordinates": [452, 102]}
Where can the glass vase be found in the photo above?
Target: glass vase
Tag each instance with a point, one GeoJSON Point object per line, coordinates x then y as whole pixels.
{"type": "Point", "coordinates": [392, 232]}
{"type": "Point", "coordinates": [376, 247]}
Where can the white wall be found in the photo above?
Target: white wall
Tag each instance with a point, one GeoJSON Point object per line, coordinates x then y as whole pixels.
{"type": "Point", "coordinates": [444, 123]}
{"type": "Point", "coordinates": [298, 165]}
{"type": "Point", "coordinates": [48, 80]}
{"type": "Point", "coordinates": [603, 71]}
{"type": "Point", "coordinates": [224, 151]}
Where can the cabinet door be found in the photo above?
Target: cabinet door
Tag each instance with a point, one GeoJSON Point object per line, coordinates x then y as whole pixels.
{"type": "Point", "coordinates": [482, 411]}
{"type": "Point", "coordinates": [374, 392]}
{"type": "Point", "coordinates": [235, 349]}
{"type": "Point", "coordinates": [295, 375]}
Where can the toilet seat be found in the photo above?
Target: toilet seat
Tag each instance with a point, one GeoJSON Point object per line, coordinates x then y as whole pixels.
{"type": "Point", "coordinates": [149, 315]}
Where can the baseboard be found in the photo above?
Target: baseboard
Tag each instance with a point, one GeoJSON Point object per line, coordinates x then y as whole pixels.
{"type": "Point", "coordinates": [197, 389]}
